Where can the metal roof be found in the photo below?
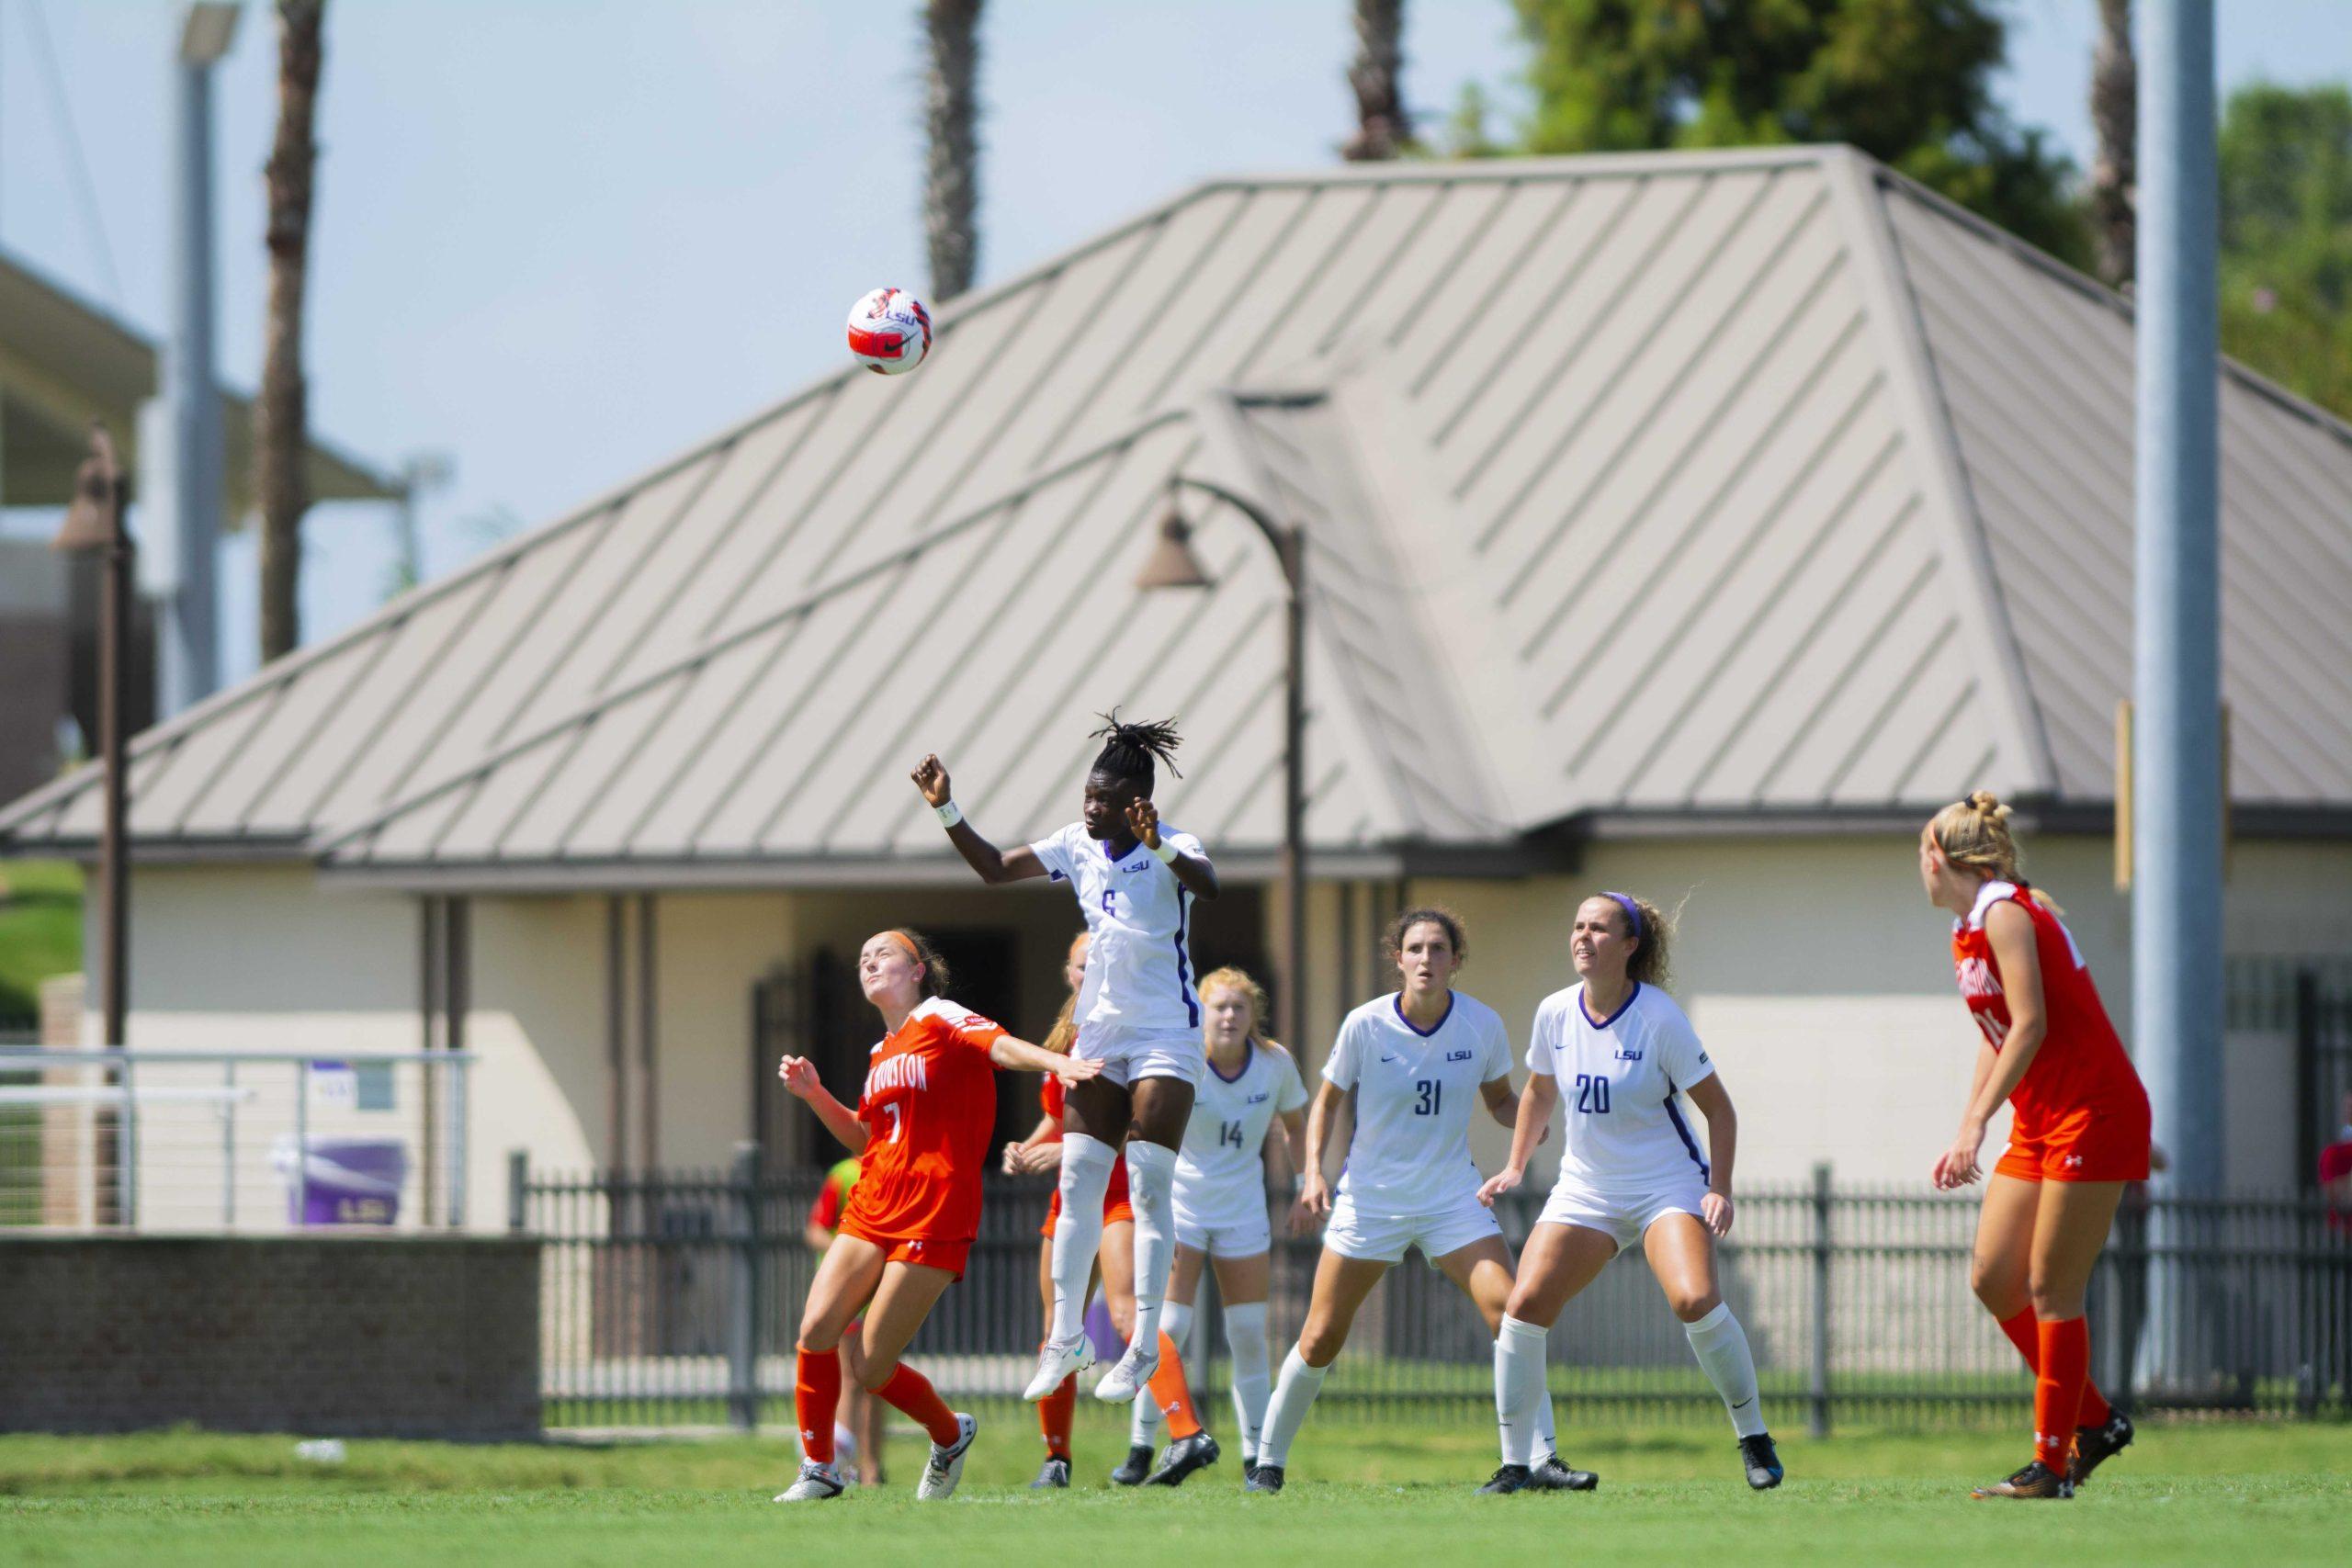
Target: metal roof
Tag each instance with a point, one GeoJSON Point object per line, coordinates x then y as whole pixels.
{"type": "Point", "coordinates": [1635, 485]}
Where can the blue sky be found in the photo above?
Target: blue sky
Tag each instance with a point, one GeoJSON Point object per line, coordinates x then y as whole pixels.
{"type": "Point", "coordinates": [561, 240]}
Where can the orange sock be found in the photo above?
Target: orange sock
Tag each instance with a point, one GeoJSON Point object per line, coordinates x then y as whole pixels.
{"type": "Point", "coordinates": [2025, 1332]}
{"type": "Point", "coordinates": [1173, 1392]}
{"type": "Point", "coordinates": [910, 1393]}
{"type": "Point", "coordinates": [816, 1395]}
{"type": "Point", "coordinates": [2058, 1389]}
{"type": "Point", "coordinates": [1054, 1413]}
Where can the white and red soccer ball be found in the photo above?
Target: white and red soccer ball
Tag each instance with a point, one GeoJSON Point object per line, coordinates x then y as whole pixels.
{"type": "Point", "coordinates": [889, 331]}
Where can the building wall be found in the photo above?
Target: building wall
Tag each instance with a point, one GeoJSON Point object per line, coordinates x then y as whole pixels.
{"type": "Point", "coordinates": [413, 1337]}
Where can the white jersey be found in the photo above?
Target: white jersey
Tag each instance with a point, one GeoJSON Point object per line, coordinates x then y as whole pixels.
{"type": "Point", "coordinates": [1619, 1078]}
{"type": "Point", "coordinates": [1414, 1095]}
{"type": "Point", "coordinates": [1224, 1141]}
{"type": "Point", "coordinates": [1139, 966]}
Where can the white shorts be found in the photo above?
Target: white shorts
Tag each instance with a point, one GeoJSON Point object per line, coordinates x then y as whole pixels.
{"type": "Point", "coordinates": [1627, 1218]}
{"type": "Point", "coordinates": [1231, 1223]}
{"type": "Point", "coordinates": [1381, 1236]}
{"type": "Point", "coordinates": [1130, 1054]}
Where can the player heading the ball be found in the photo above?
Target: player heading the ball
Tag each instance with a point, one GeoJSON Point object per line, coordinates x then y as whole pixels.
{"type": "Point", "coordinates": [922, 1128]}
{"type": "Point", "coordinates": [1137, 1017]}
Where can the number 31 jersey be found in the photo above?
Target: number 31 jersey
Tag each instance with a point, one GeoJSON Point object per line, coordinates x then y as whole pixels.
{"type": "Point", "coordinates": [1223, 1141]}
{"type": "Point", "coordinates": [1410, 1154]}
{"type": "Point", "coordinates": [1619, 1077]}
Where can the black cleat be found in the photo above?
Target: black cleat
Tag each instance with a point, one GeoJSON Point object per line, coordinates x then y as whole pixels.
{"type": "Point", "coordinates": [2035, 1481]}
{"type": "Point", "coordinates": [1184, 1456]}
{"type": "Point", "coordinates": [1509, 1479]}
{"type": "Point", "coordinates": [1550, 1473]}
{"type": "Point", "coordinates": [2094, 1445]}
{"type": "Point", "coordinates": [1265, 1478]}
{"type": "Point", "coordinates": [1761, 1461]}
{"type": "Point", "coordinates": [1054, 1477]}
{"type": "Point", "coordinates": [1137, 1466]}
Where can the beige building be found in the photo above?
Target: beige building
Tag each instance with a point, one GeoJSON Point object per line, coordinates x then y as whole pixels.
{"type": "Point", "coordinates": [1692, 524]}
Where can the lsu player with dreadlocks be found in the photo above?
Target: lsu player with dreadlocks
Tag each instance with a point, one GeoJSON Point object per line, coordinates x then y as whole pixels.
{"type": "Point", "coordinates": [1137, 1015]}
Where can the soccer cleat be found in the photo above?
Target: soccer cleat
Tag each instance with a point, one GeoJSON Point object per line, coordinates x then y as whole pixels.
{"type": "Point", "coordinates": [1761, 1462]}
{"type": "Point", "coordinates": [1055, 1476]}
{"type": "Point", "coordinates": [1125, 1380]}
{"type": "Point", "coordinates": [1055, 1362]}
{"type": "Point", "coordinates": [945, 1466]}
{"type": "Point", "coordinates": [2094, 1445]}
{"type": "Point", "coordinates": [1135, 1467]}
{"type": "Point", "coordinates": [1264, 1478]}
{"type": "Point", "coordinates": [2035, 1481]}
{"type": "Point", "coordinates": [818, 1483]}
{"type": "Point", "coordinates": [1510, 1478]}
{"type": "Point", "coordinates": [1184, 1456]}
{"type": "Point", "coordinates": [1551, 1473]}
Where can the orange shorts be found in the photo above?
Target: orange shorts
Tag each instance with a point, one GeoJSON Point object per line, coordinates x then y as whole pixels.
{"type": "Point", "coordinates": [2091, 1145]}
{"type": "Point", "coordinates": [929, 1251]}
{"type": "Point", "coordinates": [1115, 1209]}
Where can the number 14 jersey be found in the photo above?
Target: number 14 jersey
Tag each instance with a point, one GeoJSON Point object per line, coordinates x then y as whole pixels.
{"type": "Point", "coordinates": [1225, 1139]}
{"type": "Point", "coordinates": [1619, 1077]}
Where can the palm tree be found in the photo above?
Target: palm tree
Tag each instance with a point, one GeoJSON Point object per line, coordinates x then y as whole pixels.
{"type": "Point", "coordinates": [281, 432]}
{"type": "Point", "coordinates": [1381, 129]}
{"type": "Point", "coordinates": [2114, 111]}
{"type": "Point", "coordinates": [951, 191]}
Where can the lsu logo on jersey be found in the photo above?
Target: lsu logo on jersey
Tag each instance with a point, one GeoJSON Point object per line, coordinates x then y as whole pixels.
{"type": "Point", "coordinates": [1629, 1053]}
{"type": "Point", "coordinates": [1259, 1097]}
{"type": "Point", "coordinates": [1459, 1056]}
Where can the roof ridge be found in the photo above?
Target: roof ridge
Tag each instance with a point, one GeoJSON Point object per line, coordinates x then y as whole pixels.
{"type": "Point", "coordinates": [1891, 303]}
{"type": "Point", "coordinates": [327, 843]}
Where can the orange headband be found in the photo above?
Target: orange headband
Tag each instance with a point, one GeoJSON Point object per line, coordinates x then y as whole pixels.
{"type": "Point", "coordinates": [908, 942]}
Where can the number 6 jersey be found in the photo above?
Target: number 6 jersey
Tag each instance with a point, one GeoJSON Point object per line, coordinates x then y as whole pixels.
{"type": "Point", "coordinates": [1619, 1077]}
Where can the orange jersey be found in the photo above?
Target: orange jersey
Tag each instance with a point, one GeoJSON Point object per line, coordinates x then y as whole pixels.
{"type": "Point", "coordinates": [929, 1105]}
{"type": "Point", "coordinates": [1117, 1204]}
{"type": "Point", "coordinates": [2082, 1066]}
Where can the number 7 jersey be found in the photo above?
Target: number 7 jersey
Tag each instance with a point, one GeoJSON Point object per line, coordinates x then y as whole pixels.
{"type": "Point", "coordinates": [1619, 1077]}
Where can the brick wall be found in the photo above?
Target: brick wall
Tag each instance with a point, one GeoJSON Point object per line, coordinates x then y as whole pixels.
{"type": "Point", "coordinates": [421, 1336]}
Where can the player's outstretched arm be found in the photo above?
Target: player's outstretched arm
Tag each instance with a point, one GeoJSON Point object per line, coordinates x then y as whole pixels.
{"type": "Point", "coordinates": [1194, 872]}
{"type": "Point", "coordinates": [1015, 864]}
{"type": "Point", "coordinates": [799, 1075]}
{"type": "Point", "coordinates": [1024, 1057]}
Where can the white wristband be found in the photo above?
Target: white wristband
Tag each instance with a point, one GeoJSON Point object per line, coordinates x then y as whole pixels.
{"type": "Point", "coordinates": [1165, 852]}
{"type": "Point", "coordinates": [949, 814]}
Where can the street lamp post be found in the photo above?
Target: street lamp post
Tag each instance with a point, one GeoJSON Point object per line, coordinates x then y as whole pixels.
{"type": "Point", "coordinates": [1173, 565]}
{"type": "Point", "coordinates": [94, 522]}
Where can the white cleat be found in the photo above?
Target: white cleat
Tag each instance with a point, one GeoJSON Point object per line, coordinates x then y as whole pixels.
{"type": "Point", "coordinates": [945, 1467]}
{"type": "Point", "coordinates": [816, 1483]}
{"type": "Point", "coordinates": [1123, 1381]}
{"type": "Point", "coordinates": [1057, 1361]}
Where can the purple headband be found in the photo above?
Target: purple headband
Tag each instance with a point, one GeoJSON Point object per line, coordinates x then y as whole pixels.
{"type": "Point", "coordinates": [1633, 910]}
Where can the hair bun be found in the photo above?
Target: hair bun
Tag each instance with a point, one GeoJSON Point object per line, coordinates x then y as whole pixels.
{"type": "Point", "coordinates": [1986, 804]}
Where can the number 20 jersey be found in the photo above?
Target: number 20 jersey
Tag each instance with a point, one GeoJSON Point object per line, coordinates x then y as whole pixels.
{"type": "Point", "coordinates": [1411, 1152]}
{"type": "Point", "coordinates": [1619, 1077]}
{"type": "Point", "coordinates": [1222, 1153]}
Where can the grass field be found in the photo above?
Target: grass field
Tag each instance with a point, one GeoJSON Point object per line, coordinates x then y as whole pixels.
{"type": "Point", "coordinates": [2258, 1496]}
{"type": "Point", "coordinates": [40, 929]}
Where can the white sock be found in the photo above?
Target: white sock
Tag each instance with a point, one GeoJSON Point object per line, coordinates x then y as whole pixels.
{"type": "Point", "coordinates": [1294, 1397]}
{"type": "Point", "coordinates": [1245, 1336]}
{"type": "Point", "coordinates": [1547, 1436]}
{"type": "Point", "coordinates": [1143, 1431]}
{"type": "Point", "coordinates": [1078, 1235]}
{"type": "Point", "coordinates": [1721, 1346]}
{"type": "Point", "coordinates": [1519, 1393]}
{"type": "Point", "coordinates": [1151, 1185]}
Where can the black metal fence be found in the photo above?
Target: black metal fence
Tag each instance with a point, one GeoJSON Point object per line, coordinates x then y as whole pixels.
{"type": "Point", "coordinates": [672, 1299]}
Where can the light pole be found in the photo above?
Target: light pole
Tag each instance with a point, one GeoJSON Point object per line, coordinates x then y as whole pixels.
{"type": "Point", "coordinates": [95, 523]}
{"type": "Point", "coordinates": [1173, 565]}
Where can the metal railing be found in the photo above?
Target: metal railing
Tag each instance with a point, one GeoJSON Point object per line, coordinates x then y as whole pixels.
{"type": "Point", "coordinates": [672, 1298]}
{"type": "Point", "coordinates": [232, 1140]}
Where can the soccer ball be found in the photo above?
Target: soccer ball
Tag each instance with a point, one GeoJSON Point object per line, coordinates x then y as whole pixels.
{"type": "Point", "coordinates": [889, 331]}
